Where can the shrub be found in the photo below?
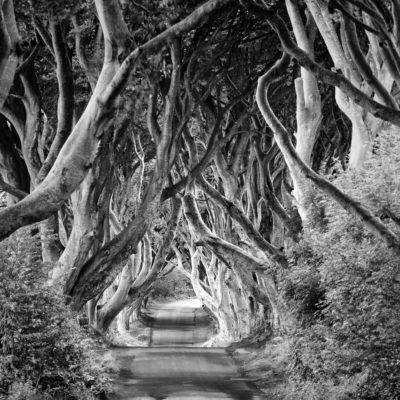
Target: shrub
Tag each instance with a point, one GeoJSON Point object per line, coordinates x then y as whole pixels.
{"type": "Point", "coordinates": [345, 284]}
{"type": "Point", "coordinates": [43, 350]}
{"type": "Point", "coordinates": [173, 285]}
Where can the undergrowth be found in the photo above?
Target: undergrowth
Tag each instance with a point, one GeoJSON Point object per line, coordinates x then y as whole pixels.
{"type": "Point", "coordinates": [44, 353]}
{"type": "Point", "coordinates": [344, 288]}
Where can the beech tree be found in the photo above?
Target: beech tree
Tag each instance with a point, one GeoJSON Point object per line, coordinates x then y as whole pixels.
{"type": "Point", "coordinates": [92, 134]}
{"type": "Point", "coordinates": [72, 163]}
{"type": "Point", "coordinates": [209, 137]}
{"type": "Point", "coordinates": [10, 48]}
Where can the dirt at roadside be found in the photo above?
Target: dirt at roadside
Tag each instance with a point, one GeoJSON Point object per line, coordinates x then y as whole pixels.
{"type": "Point", "coordinates": [264, 363]}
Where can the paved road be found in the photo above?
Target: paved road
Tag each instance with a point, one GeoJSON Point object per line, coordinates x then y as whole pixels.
{"type": "Point", "coordinates": [174, 368]}
{"type": "Point", "coordinates": [179, 323]}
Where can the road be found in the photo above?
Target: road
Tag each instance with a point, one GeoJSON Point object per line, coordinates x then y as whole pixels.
{"type": "Point", "coordinates": [174, 367]}
{"type": "Point", "coordinates": [179, 323]}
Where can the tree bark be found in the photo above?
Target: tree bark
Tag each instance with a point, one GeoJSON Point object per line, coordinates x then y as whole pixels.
{"type": "Point", "coordinates": [308, 118]}
{"type": "Point", "coordinates": [9, 40]}
{"type": "Point", "coordinates": [90, 204]}
{"type": "Point", "coordinates": [236, 259]}
{"type": "Point", "coordinates": [350, 60]}
{"type": "Point", "coordinates": [134, 280]}
{"type": "Point", "coordinates": [333, 78]}
{"type": "Point", "coordinates": [291, 157]}
{"type": "Point", "coordinates": [78, 152]}
{"type": "Point", "coordinates": [14, 177]}
{"type": "Point", "coordinates": [239, 216]}
{"type": "Point", "coordinates": [65, 106]}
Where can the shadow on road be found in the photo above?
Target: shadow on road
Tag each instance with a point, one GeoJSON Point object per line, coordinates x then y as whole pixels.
{"type": "Point", "coordinates": [174, 367]}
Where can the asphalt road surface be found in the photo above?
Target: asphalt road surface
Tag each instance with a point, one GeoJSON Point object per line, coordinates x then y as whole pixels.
{"type": "Point", "coordinates": [175, 367]}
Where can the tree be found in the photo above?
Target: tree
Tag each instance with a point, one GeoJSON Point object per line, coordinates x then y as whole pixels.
{"type": "Point", "coordinates": [44, 352]}
{"type": "Point", "coordinates": [132, 133]}
{"type": "Point", "coordinates": [72, 163]}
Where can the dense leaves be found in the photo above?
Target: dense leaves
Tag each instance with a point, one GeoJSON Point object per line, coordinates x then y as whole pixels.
{"type": "Point", "coordinates": [172, 285]}
{"type": "Point", "coordinates": [345, 285]}
{"type": "Point", "coordinates": [43, 350]}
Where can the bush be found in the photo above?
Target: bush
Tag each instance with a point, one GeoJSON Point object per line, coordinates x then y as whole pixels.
{"type": "Point", "coordinates": [173, 285]}
{"type": "Point", "coordinates": [345, 284]}
{"type": "Point", "coordinates": [44, 352]}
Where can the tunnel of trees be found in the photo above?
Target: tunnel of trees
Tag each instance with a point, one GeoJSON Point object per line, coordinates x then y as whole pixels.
{"type": "Point", "coordinates": [252, 145]}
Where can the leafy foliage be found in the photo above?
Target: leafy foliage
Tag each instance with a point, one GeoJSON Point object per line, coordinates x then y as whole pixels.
{"type": "Point", "coordinates": [345, 284]}
{"type": "Point", "coordinates": [44, 353]}
{"type": "Point", "coordinates": [173, 285]}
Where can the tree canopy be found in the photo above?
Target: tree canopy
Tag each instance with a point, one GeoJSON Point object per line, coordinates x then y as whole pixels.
{"type": "Point", "coordinates": [249, 144]}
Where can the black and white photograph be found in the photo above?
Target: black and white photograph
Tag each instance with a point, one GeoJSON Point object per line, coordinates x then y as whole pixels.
{"type": "Point", "coordinates": [200, 199]}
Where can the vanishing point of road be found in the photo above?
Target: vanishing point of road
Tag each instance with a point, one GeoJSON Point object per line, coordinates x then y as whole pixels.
{"type": "Point", "coordinates": [175, 366]}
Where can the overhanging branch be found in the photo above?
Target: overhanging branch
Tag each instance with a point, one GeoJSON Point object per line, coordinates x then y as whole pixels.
{"type": "Point", "coordinates": [336, 79]}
